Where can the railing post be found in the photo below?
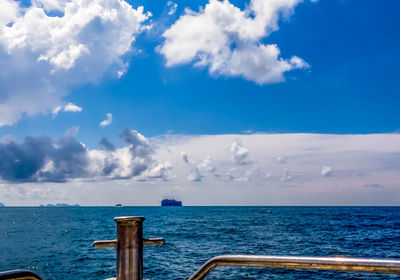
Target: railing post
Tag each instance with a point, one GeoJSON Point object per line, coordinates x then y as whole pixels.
{"type": "Point", "coordinates": [129, 245]}
{"type": "Point", "coordinates": [129, 248]}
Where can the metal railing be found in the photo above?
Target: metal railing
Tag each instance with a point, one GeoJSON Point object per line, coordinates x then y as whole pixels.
{"type": "Point", "coordinates": [129, 245]}
{"type": "Point", "coordinates": [318, 263]}
{"type": "Point", "coordinates": [19, 275]}
{"type": "Point", "coordinates": [130, 242]}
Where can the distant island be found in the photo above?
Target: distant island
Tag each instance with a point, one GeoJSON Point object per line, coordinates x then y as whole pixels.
{"type": "Point", "coordinates": [171, 202]}
{"type": "Point", "coordinates": [60, 205]}
{"type": "Point", "coordinates": [118, 205]}
{"type": "Point", "coordinates": [2, 205]}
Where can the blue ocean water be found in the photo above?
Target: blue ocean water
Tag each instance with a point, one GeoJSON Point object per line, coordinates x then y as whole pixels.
{"type": "Point", "coordinates": [57, 242]}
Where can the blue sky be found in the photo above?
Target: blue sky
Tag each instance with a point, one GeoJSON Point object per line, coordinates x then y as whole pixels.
{"type": "Point", "coordinates": [351, 46]}
{"type": "Point", "coordinates": [336, 74]}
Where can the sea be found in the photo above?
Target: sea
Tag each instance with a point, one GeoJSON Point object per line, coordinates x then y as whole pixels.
{"type": "Point", "coordinates": [57, 242]}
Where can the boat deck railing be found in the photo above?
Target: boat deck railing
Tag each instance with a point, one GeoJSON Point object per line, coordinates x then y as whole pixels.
{"type": "Point", "coordinates": [19, 275]}
{"type": "Point", "coordinates": [130, 242]}
{"type": "Point", "coordinates": [313, 263]}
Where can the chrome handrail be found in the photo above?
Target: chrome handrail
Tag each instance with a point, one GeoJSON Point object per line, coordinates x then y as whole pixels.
{"type": "Point", "coordinates": [19, 275]}
{"type": "Point", "coordinates": [318, 263]}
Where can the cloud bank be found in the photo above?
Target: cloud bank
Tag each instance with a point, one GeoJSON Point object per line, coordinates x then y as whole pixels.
{"type": "Point", "coordinates": [41, 159]}
{"type": "Point", "coordinates": [227, 40]}
{"type": "Point", "coordinates": [275, 160]}
{"type": "Point", "coordinates": [42, 55]}
{"type": "Point", "coordinates": [203, 170]}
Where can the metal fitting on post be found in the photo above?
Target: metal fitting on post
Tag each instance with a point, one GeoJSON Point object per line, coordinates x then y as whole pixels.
{"type": "Point", "coordinates": [129, 245]}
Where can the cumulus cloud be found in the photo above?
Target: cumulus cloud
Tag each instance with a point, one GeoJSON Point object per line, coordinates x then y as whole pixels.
{"type": "Point", "coordinates": [239, 153]}
{"type": "Point", "coordinates": [48, 54]}
{"type": "Point", "coordinates": [208, 165]}
{"type": "Point", "coordinates": [230, 174]}
{"type": "Point", "coordinates": [251, 174]}
{"type": "Point", "coordinates": [326, 171]}
{"type": "Point", "coordinates": [105, 144]}
{"type": "Point", "coordinates": [195, 175]}
{"type": "Point", "coordinates": [199, 170]}
{"type": "Point", "coordinates": [227, 40]}
{"type": "Point", "coordinates": [140, 150]}
{"type": "Point", "coordinates": [9, 11]}
{"type": "Point", "coordinates": [366, 169]}
{"type": "Point", "coordinates": [107, 121]}
{"type": "Point", "coordinates": [160, 171]}
{"type": "Point", "coordinates": [42, 159]}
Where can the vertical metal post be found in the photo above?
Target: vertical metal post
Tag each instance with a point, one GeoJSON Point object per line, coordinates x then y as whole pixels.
{"type": "Point", "coordinates": [129, 245]}
{"type": "Point", "coordinates": [129, 248]}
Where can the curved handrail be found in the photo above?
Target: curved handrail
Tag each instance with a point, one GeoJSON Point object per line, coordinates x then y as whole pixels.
{"type": "Point", "coordinates": [319, 263]}
{"type": "Point", "coordinates": [19, 275]}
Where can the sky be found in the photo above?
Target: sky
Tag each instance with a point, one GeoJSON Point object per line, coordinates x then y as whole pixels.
{"type": "Point", "coordinates": [257, 102]}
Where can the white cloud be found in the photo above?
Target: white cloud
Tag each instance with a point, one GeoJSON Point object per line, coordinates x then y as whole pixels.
{"type": "Point", "coordinates": [107, 121]}
{"type": "Point", "coordinates": [200, 170]}
{"type": "Point", "coordinates": [208, 165]}
{"type": "Point", "coordinates": [239, 153]}
{"type": "Point", "coordinates": [172, 7]}
{"type": "Point", "coordinates": [358, 160]}
{"type": "Point", "coordinates": [160, 171]}
{"type": "Point", "coordinates": [48, 54]}
{"type": "Point", "coordinates": [326, 171]}
{"type": "Point", "coordinates": [230, 174]}
{"type": "Point", "coordinates": [56, 110]}
{"type": "Point", "coordinates": [70, 107]}
{"type": "Point", "coordinates": [366, 169]}
{"type": "Point", "coordinates": [42, 159]}
{"type": "Point", "coordinates": [252, 174]}
{"type": "Point", "coordinates": [9, 11]}
{"type": "Point", "coordinates": [227, 40]}
{"type": "Point", "coordinates": [195, 175]}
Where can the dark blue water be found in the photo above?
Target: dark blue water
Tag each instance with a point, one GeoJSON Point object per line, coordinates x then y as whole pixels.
{"type": "Point", "coordinates": [57, 242]}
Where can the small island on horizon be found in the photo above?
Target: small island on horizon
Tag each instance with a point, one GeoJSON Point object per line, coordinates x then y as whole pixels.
{"type": "Point", "coordinates": [171, 202]}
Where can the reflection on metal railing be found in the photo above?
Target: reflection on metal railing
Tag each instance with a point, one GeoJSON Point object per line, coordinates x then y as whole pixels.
{"type": "Point", "coordinates": [19, 275]}
{"type": "Point", "coordinates": [318, 263]}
